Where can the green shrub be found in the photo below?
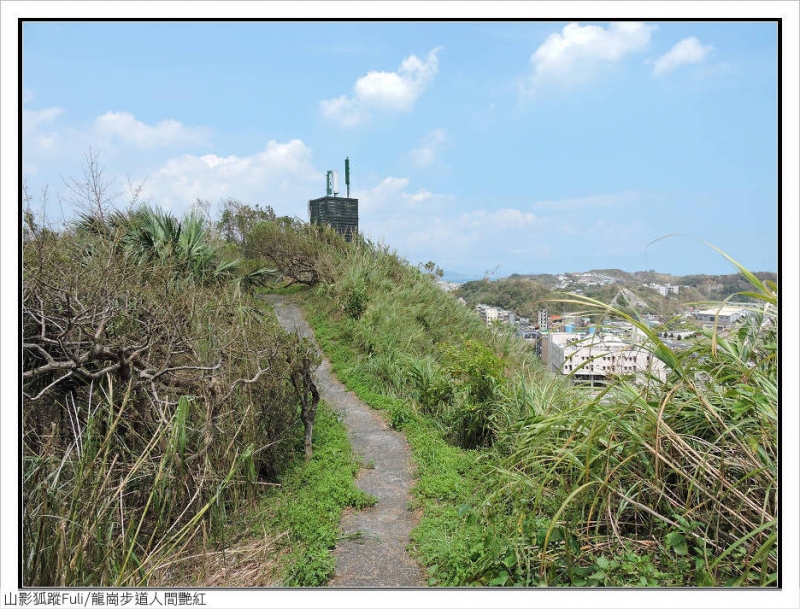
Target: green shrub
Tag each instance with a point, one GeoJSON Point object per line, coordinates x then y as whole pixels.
{"type": "Point", "coordinates": [690, 461]}
{"type": "Point", "coordinates": [156, 398]}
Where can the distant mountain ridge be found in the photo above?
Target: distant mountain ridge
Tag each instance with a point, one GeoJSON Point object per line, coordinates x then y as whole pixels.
{"type": "Point", "coordinates": [454, 277]}
{"type": "Point", "coordinates": [651, 276]}
{"type": "Point", "coordinates": [647, 291]}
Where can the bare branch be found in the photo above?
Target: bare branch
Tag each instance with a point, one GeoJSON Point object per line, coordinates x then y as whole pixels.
{"type": "Point", "coordinates": [173, 369]}
{"type": "Point", "coordinates": [242, 381]}
{"type": "Point", "coordinates": [48, 388]}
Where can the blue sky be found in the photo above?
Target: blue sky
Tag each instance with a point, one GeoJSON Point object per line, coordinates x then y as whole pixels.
{"type": "Point", "coordinates": [525, 147]}
{"type": "Point", "coordinates": [505, 149]}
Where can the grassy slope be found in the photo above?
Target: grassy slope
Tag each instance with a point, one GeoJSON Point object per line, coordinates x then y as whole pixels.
{"type": "Point", "coordinates": [573, 490]}
{"type": "Point", "coordinates": [373, 359]}
{"type": "Point", "coordinates": [446, 476]}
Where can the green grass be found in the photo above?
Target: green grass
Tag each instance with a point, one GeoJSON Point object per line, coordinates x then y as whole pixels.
{"type": "Point", "coordinates": [283, 290]}
{"type": "Point", "coordinates": [446, 476]}
{"type": "Point", "coordinates": [310, 502]}
{"type": "Point", "coordinates": [526, 480]}
{"type": "Point", "coordinates": [664, 484]}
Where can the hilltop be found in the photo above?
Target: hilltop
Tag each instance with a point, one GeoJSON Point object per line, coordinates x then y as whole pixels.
{"type": "Point", "coordinates": [657, 293]}
{"type": "Point", "coordinates": [710, 285]}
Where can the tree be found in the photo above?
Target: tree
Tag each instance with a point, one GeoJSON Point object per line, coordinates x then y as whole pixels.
{"type": "Point", "coordinates": [432, 270]}
{"type": "Point", "coordinates": [238, 220]}
{"type": "Point", "coordinates": [301, 252]}
{"type": "Point", "coordinates": [93, 194]}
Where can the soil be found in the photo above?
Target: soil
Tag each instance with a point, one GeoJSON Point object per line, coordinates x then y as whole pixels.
{"type": "Point", "coordinates": [372, 550]}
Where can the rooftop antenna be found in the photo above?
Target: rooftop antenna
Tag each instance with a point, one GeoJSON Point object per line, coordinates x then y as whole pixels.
{"type": "Point", "coordinates": [347, 174]}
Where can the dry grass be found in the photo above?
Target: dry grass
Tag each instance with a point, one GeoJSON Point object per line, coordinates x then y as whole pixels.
{"type": "Point", "coordinates": [248, 563]}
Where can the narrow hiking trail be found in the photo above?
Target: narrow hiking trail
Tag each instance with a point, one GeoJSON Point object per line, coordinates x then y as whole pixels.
{"type": "Point", "coordinates": [372, 552]}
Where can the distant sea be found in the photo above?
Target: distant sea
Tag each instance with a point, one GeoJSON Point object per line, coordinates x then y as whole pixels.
{"type": "Point", "coordinates": [454, 277]}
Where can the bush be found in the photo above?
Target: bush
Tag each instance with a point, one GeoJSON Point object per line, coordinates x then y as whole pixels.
{"type": "Point", "coordinates": [645, 482]}
{"type": "Point", "coordinates": [302, 253]}
{"type": "Point", "coordinates": [690, 461]}
{"type": "Point", "coordinates": [477, 376]}
{"type": "Point", "coordinates": [156, 396]}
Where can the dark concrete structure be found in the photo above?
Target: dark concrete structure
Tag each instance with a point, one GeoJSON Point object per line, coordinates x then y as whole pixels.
{"type": "Point", "coordinates": [340, 213]}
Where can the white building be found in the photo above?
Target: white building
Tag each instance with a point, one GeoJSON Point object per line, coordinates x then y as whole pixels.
{"type": "Point", "coordinates": [595, 356]}
{"type": "Point", "coordinates": [722, 316]}
{"type": "Point", "coordinates": [487, 313]}
{"type": "Point", "coordinates": [491, 314]}
{"type": "Point", "coordinates": [543, 319]}
{"type": "Point", "coordinates": [664, 289]}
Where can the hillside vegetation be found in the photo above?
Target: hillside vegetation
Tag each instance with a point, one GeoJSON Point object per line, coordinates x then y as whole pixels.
{"type": "Point", "coordinates": [164, 408]}
{"type": "Point", "coordinates": [526, 294]}
{"type": "Point", "coordinates": [526, 480]}
{"type": "Point", "coordinates": [161, 400]}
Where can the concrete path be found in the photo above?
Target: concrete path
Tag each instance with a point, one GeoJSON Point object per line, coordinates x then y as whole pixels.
{"type": "Point", "coordinates": [372, 552]}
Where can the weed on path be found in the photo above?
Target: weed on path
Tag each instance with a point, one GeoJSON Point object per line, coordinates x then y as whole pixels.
{"type": "Point", "coordinates": [371, 551]}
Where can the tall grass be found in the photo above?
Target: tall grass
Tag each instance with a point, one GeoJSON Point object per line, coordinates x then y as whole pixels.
{"type": "Point", "coordinates": [81, 523]}
{"type": "Point", "coordinates": [653, 482]}
{"type": "Point", "coordinates": [684, 470]}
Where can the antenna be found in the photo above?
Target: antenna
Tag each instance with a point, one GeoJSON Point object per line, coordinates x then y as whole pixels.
{"type": "Point", "coordinates": [329, 185]}
{"type": "Point", "coordinates": [347, 174]}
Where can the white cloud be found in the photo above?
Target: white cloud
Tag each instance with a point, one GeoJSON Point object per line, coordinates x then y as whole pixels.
{"type": "Point", "coordinates": [46, 137]}
{"type": "Point", "coordinates": [590, 202]}
{"type": "Point", "coordinates": [503, 220]}
{"type": "Point", "coordinates": [385, 193]}
{"type": "Point", "coordinates": [418, 197]}
{"type": "Point", "coordinates": [346, 112]}
{"type": "Point", "coordinates": [687, 51]}
{"type": "Point", "coordinates": [430, 145]}
{"type": "Point", "coordinates": [282, 175]}
{"type": "Point", "coordinates": [422, 225]}
{"type": "Point", "coordinates": [468, 240]}
{"type": "Point", "coordinates": [41, 138]}
{"type": "Point", "coordinates": [391, 199]}
{"type": "Point", "coordinates": [124, 127]}
{"type": "Point", "coordinates": [578, 53]}
{"type": "Point", "coordinates": [383, 91]}
{"type": "Point", "coordinates": [34, 118]}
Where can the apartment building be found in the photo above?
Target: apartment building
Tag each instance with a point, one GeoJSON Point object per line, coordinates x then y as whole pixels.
{"type": "Point", "coordinates": [488, 314]}
{"type": "Point", "coordinates": [593, 356]}
{"type": "Point", "coordinates": [663, 289]}
{"type": "Point", "coordinates": [543, 319]}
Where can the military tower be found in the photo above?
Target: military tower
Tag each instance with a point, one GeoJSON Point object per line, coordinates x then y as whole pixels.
{"type": "Point", "coordinates": [340, 213]}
